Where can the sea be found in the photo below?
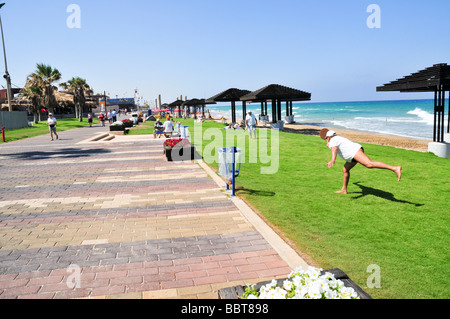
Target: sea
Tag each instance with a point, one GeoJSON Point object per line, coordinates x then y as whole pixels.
{"type": "Point", "coordinates": [409, 118]}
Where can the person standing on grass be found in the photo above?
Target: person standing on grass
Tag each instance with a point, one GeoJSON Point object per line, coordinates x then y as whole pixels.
{"type": "Point", "coordinates": [250, 122]}
{"type": "Point", "coordinates": [352, 153]}
{"type": "Point", "coordinates": [51, 122]}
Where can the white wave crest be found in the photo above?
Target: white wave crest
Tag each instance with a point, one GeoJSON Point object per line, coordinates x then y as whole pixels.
{"type": "Point", "coordinates": [425, 117]}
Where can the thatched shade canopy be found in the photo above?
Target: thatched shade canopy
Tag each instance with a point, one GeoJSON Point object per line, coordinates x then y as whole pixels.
{"type": "Point", "coordinates": [231, 95]}
{"type": "Point", "coordinates": [63, 96]}
{"type": "Point", "coordinates": [277, 93]}
{"type": "Point", "coordinates": [433, 79]}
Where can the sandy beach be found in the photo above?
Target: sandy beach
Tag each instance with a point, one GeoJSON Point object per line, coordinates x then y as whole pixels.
{"type": "Point", "coordinates": [359, 136]}
{"type": "Point", "coordinates": [364, 137]}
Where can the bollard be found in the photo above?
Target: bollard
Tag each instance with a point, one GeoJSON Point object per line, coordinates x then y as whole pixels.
{"type": "Point", "coordinates": [3, 134]}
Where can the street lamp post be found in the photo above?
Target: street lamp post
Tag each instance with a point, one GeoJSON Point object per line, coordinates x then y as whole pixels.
{"type": "Point", "coordinates": [6, 76]}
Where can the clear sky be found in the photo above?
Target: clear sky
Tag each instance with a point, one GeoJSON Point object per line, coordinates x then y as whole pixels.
{"type": "Point", "coordinates": [198, 48]}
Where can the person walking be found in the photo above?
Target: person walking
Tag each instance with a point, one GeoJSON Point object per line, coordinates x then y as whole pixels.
{"type": "Point", "coordinates": [51, 122]}
{"type": "Point", "coordinates": [101, 117]}
{"type": "Point", "coordinates": [352, 153]}
{"type": "Point", "coordinates": [114, 115]}
{"type": "Point", "coordinates": [250, 122]}
{"type": "Point", "coordinates": [90, 117]}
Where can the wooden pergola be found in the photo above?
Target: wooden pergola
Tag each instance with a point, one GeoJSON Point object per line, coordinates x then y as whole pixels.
{"type": "Point", "coordinates": [277, 94]}
{"type": "Point", "coordinates": [433, 79]}
{"type": "Point", "coordinates": [197, 103]}
{"type": "Point", "coordinates": [231, 95]}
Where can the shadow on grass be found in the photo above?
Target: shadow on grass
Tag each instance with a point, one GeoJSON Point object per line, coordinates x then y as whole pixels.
{"type": "Point", "coordinates": [379, 193]}
{"type": "Point", "coordinates": [63, 153]}
{"type": "Point", "coordinates": [252, 192]}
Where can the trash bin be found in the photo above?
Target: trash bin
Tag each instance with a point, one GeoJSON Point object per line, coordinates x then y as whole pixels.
{"type": "Point", "coordinates": [184, 131]}
{"type": "Point", "coordinates": [230, 165]}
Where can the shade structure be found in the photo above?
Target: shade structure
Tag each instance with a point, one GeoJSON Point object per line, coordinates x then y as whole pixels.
{"type": "Point", "coordinates": [197, 103]}
{"type": "Point", "coordinates": [277, 94]}
{"type": "Point", "coordinates": [231, 95]}
{"type": "Point", "coordinates": [176, 103]}
{"type": "Point", "coordinates": [433, 79]}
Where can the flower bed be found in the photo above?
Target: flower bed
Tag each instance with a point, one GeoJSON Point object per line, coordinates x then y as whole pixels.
{"type": "Point", "coordinates": [176, 142]}
{"type": "Point", "coordinates": [127, 123]}
{"type": "Point", "coordinates": [179, 149]}
{"type": "Point", "coordinates": [310, 284]}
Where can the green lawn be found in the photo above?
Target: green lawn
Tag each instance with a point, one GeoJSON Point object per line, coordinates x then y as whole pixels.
{"type": "Point", "coordinates": [403, 227]}
{"type": "Point", "coordinates": [42, 128]}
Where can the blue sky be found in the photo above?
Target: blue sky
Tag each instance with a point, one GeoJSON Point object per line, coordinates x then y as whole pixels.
{"type": "Point", "coordinates": [198, 48]}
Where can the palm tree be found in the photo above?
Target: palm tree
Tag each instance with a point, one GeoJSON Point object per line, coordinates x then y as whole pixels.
{"type": "Point", "coordinates": [78, 87]}
{"type": "Point", "coordinates": [46, 76]}
{"type": "Point", "coordinates": [33, 93]}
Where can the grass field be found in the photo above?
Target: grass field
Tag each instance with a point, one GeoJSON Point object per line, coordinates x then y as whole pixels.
{"type": "Point", "coordinates": [42, 129]}
{"type": "Point", "coordinates": [402, 227]}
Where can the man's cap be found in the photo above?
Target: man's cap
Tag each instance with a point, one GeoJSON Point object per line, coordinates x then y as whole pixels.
{"type": "Point", "coordinates": [50, 114]}
{"type": "Point", "coordinates": [331, 133]}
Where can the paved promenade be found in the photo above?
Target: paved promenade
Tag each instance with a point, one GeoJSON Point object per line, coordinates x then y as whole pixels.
{"type": "Point", "coordinates": [113, 219]}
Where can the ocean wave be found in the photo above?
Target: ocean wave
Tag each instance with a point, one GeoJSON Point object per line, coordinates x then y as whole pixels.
{"type": "Point", "coordinates": [389, 119]}
{"type": "Point", "coordinates": [425, 117]}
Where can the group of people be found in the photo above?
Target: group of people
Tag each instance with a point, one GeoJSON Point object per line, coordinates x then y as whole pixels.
{"type": "Point", "coordinates": [250, 123]}
{"type": "Point", "coordinates": [166, 128]}
{"type": "Point", "coordinates": [51, 121]}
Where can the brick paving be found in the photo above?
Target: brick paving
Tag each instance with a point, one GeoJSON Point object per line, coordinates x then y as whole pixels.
{"type": "Point", "coordinates": [83, 219]}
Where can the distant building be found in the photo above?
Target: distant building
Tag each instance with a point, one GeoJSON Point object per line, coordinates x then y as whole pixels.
{"type": "Point", "coordinates": [4, 94]}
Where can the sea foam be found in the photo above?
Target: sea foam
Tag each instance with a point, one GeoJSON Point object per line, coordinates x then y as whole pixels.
{"type": "Point", "coordinates": [425, 117]}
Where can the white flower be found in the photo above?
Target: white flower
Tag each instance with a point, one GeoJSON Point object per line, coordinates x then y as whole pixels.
{"type": "Point", "coordinates": [309, 284]}
{"type": "Point", "coordinates": [323, 286]}
{"type": "Point", "coordinates": [273, 283]}
{"type": "Point", "coordinates": [331, 294]}
{"type": "Point", "coordinates": [287, 285]}
{"type": "Point", "coordinates": [314, 292]}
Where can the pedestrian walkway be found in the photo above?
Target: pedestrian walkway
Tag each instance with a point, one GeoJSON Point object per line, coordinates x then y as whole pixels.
{"type": "Point", "coordinates": [88, 218]}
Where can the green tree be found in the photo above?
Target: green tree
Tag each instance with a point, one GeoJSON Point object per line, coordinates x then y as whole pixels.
{"type": "Point", "coordinates": [33, 93]}
{"type": "Point", "coordinates": [45, 75]}
{"type": "Point", "coordinates": [78, 87]}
